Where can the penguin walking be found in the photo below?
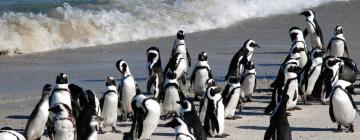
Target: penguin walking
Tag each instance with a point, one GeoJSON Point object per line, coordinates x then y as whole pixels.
{"type": "Point", "coordinates": [156, 80]}
{"type": "Point", "coordinates": [313, 29]}
{"type": "Point", "coordinates": [7, 133]}
{"type": "Point", "coordinates": [215, 115]}
{"type": "Point", "coordinates": [181, 129]}
{"type": "Point", "coordinates": [291, 84]}
{"type": "Point", "coordinates": [109, 104]}
{"type": "Point", "coordinates": [248, 81]}
{"type": "Point", "coordinates": [190, 117]}
{"type": "Point", "coordinates": [127, 88]}
{"type": "Point", "coordinates": [39, 116]}
{"type": "Point", "coordinates": [172, 94]}
{"type": "Point", "coordinates": [180, 47]}
{"type": "Point", "coordinates": [146, 118]}
{"type": "Point", "coordinates": [63, 122]}
{"type": "Point", "coordinates": [230, 96]}
{"type": "Point", "coordinates": [240, 58]}
{"type": "Point", "coordinates": [200, 74]}
{"type": "Point", "coordinates": [204, 100]}
{"type": "Point", "coordinates": [279, 127]}
{"type": "Point", "coordinates": [342, 108]}
{"type": "Point", "coordinates": [337, 46]}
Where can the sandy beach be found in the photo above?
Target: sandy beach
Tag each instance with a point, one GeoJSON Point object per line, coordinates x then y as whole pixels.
{"type": "Point", "coordinates": [22, 76]}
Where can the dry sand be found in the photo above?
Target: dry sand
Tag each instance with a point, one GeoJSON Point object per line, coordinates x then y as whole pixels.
{"type": "Point", "coordinates": [22, 76]}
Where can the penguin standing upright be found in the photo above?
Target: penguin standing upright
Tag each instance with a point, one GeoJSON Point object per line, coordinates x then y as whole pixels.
{"type": "Point", "coordinates": [279, 127]}
{"type": "Point", "coordinates": [7, 133]}
{"type": "Point", "coordinates": [248, 81]}
{"type": "Point", "coordinates": [180, 47]}
{"type": "Point", "coordinates": [127, 88]}
{"type": "Point", "coordinates": [215, 115]}
{"type": "Point", "coordinates": [230, 96]}
{"type": "Point", "coordinates": [298, 43]}
{"type": "Point", "coordinates": [313, 29]}
{"type": "Point", "coordinates": [177, 64]}
{"type": "Point", "coordinates": [109, 104]}
{"type": "Point", "coordinates": [190, 117]}
{"type": "Point", "coordinates": [329, 75]}
{"type": "Point", "coordinates": [146, 117]}
{"type": "Point", "coordinates": [181, 129]}
{"type": "Point", "coordinates": [204, 100]}
{"type": "Point", "coordinates": [63, 122]}
{"type": "Point", "coordinates": [61, 93]}
{"type": "Point", "coordinates": [291, 83]}
{"type": "Point", "coordinates": [39, 116]}
{"type": "Point", "coordinates": [156, 80]}
{"type": "Point", "coordinates": [342, 108]}
{"type": "Point", "coordinates": [240, 58]}
{"type": "Point", "coordinates": [200, 74]}
{"type": "Point", "coordinates": [172, 94]}
{"type": "Point", "coordinates": [337, 46]}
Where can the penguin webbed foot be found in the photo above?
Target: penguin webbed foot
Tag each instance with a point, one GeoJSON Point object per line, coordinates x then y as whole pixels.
{"type": "Point", "coordinates": [351, 128]}
{"type": "Point", "coordinates": [234, 117]}
{"type": "Point", "coordinates": [339, 128]}
{"type": "Point", "coordinates": [101, 131]}
{"type": "Point", "coordinates": [248, 99]}
{"type": "Point", "coordinates": [222, 136]}
{"type": "Point", "coordinates": [114, 130]}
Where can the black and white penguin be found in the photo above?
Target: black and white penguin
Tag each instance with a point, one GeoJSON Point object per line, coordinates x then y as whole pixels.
{"type": "Point", "coordinates": [204, 100]}
{"type": "Point", "coordinates": [248, 81]}
{"type": "Point", "coordinates": [313, 29]}
{"type": "Point", "coordinates": [63, 122]}
{"type": "Point", "coordinates": [109, 104]}
{"type": "Point", "coordinates": [177, 64]}
{"type": "Point", "coordinates": [39, 116]}
{"type": "Point", "coordinates": [156, 80]}
{"type": "Point", "coordinates": [291, 87]}
{"type": "Point", "coordinates": [78, 99]}
{"type": "Point", "coordinates": [146, 117]}
{"type": "Point", "coordinates": [240, 58]}
{"type": "Point", "coordinates": [279, 127]}
{"type": "Point", "coordinates": [7, 133]}
{"type": "Point", "coordinates": [127, 88]}
{"type": "Point", "coordinates": [180, 47]}
{"type": "Point", "coordinates": [342, 108]}
{"type": "Point", "coordinates": [172, 94]}
{"type": "Point", "coordinates": [182, 131]}
{"type": "Point", "coordinates": [230, 96]}
{"type": "Point", "coordinates": [215, 114]}
{"type": "Point", "coordinates": [329, 75]}
{"type": "Point", "coordinates": [61, 92]}
{"type": "Point", "coordinates": [200, 74]}
{"type": "Point", "coordinates": [337, 46]}
{"type": "Point", "coordinates": [298, 43]}
{"type": "Point", "coordinates": [189, 115]}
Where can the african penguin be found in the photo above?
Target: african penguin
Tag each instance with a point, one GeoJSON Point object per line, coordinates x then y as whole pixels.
{"type": "Point", "coordinates": [63, 122]}
{"type": "Point", "coordinates": [109, 104]}
{"type": "Point", "coordinates": [342, 108]}
{"type": "Point", "coordinates": [240, 58]}
{"type": "Point", "coordinates": [146, 117]}
{"type": "Point", "coordinates": [156, 80]}
{"type": "Point", "coordinates": [190, 117]}
{"type": "Point", "coordinates": [180, 47]}
{"type": "Point", "coordinates": [313, 29]}
{"type": "Point", "coordinates": [204, 100]}
{"type": "Point", "coordinates": [330, 74]}
{"type": "Point", "coordinates": [230, 96]}
{"type": "Point", "coordinates": [61, 93]}
{"type": "Point", "coordinates": [248, 81]}
{"type": "Point", "coordinates": [298, 42]}
{"type": "Point", "coordinates": [181, 129]}
{"type": "Point", "coordinates": [291, 83]}
{"type": "Point", "coordinates": [78, 97]}
{"type": "Point", "coordinates": [200, 74]}
{"type": "Point", "coordinates": [39, 116]}
{"type": "Point", "coordinates": [177, 64]}
{"type": "Point", "coordinates": [337, 46]}
{"type": "Point", "coordinates": [7, 133]}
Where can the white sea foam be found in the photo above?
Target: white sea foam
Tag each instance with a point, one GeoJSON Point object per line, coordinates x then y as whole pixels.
{"type": "Point", "coordinates": [130, 20]}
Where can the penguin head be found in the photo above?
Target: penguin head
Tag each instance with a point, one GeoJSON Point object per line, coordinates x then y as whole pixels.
{"type": "Point", "coordinates": [249, 65]}
{"type": "Point", "coordinates": [332, 61]}
{"type": "Point", "coordinates": [308, 13]}
{"type": "Point", "coordinates": [47, 90]}
{"type": "Point", "coordinates": [176, 121]}
{"type": "Point", "coordinates": [110, 81]}
{"type": "Point", "coordinates": [338, 30]}
{"type": "Point", "coordinates": [185, 104]}
{"type": "Point", "coordinates": [122, 66]}
{"type": "Point", "coordinates": [153, 56]}
{"type": "Point", "coordinates": [292, 66]}
{"type": "Point", "coordinates": [210, 83]}
{"type": "Point", "coordinates": [61, 79]}
{"type": "Point", "coordinates": [56, 109]}
{"type": "Point", "coordinates": [318, 53]}
{"type": "Point", "coordinates": [171, 75]}
{"type": "Point", "coordinates": [293, 69]}
{"type": "Point", "coordinates": [233, 79]}
{"type": "Point", "coordinates": [180, 35]}
{"type": "Point", "coordinates": [214, 91]}
{"type": "Point", "coordinates": [203, 56]}
{"type": "Point", "coordinates": [295, 33]}
{"type": "Point", "coordinates": [250, 44]}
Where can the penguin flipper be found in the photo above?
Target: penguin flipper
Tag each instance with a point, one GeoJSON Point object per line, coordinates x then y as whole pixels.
{"type": "Point", "coordinates": [305, 32]}
{"type": "Point", "coordinates": [188, 58]}
{"type": "Point", "coordinates": [318, 31]}
{"type": "Point", "coordinates": [331, 111]}
{"type": "Point", "coordinates": [120, 90]}
{"type": "Point", "coordinates": [350, 91]}
{"type": "Point", "coordinates": [346, 49]}
{"type": "Point", "coordinates": [328, 48]}
{"type": "Point", "coordinates": [150, 82]}
{"type": "Point", "coordinates": [210, 73]}
{"type": "Point", "coordinates": [181, 94]}
{"type": "Point", "coordinates": [102, 102]}
{"type": "Point", "coordinates": [225, 94]}
{"type": "Point", "coordinates": [193, 74]}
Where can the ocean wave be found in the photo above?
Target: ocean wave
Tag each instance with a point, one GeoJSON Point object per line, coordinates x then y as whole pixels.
{"type": "Point", "coordinates": [129, 20]}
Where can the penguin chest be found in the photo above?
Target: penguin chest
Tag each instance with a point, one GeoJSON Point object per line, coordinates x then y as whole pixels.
{"type": "Point", "coordinates": [37, 125]}
{"type": "Point", "coordinates": [303, 59]}
{"type": "Point", "coordinates": [60, 97]}
{"type": "Point", "coordinates": [343, 110]}
{"type": "Point", "coordinates": [232, 103]}
{"type": "Point", "coordinates": [128, 91]}
{"type": "Point", "coordinates": [337, 48]}
{"type": "Point", "coordinates": [248, 85]}
{"type": "Point", "coordinates": [171, 97]}
{"type": "Point", "coordinates": [292, 91]}
{"type": "Point", "coordinates": [152, 118]}
{"type": "Point", "coordinates": [313, 77]}
{"type": "Point", "coordinates": [64, 129]}
{"type": "Point", "coordinates": [109, 110]}
{"type": "Point", "coordinates": [182, 67]}
{"type": "Point", "coordinates": [199, 83]}
{"type": "Point", "coordinates": [203, 109]}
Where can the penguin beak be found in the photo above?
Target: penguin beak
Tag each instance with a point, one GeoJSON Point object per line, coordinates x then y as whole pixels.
{"type": "Point", "coordinates": [302, 13]}
{"type": "Point", "coordinates": [178, 102]}
{"type": "Point", "coordinates": [257, 46]}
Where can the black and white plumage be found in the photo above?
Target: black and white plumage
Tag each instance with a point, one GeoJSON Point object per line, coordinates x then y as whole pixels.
{"type": "Point", "coordinates": [279, 128]}
{"type": "Point", "coordinates": [313, 29]}
{"type": "Point", "coordinates": [298, 43]}
{"type": "Point", "coordinates": [63, 122]}
{"type": "Point", "coordinates": [61, 92]}
{"type": "Point", "coordinates": [200, 74]}
{"type": "Point", "coordinates": [240, 58]}
{"type": "Point", "coordinates": [180, 47]}
{"type": "Point", "coordinates": [248, 81]}
{"type": "Point", "coordinates": [204, 100]}
{"type": "Point", "coordinates": [7, 133]}
{"type": "Point", "coordinates": [78, 98]}
{"type": "Point", "coordinates": [329, 75]}
{"type": "Point", "coordinates": [337, 46]}
{"type": "Point", "coordinates": [230, 96]}
{"type": "Point", "coordinates": [189, 115]}
{"type": "Point", "coordinates": [291, 87]}
{"type": "Point", "coordinates": [182, 131]}
{"type": "Point", "coordinates": [156, 80]}
{"type": "Point", "coordinates": [146, 118]}
{"type": "Point", "coordinates": [39, 116]}
{"type": "Point", "coordinates": [172, 94]}
{"type": "Point", "coordinates": [177, 64]}
{"type": "Point", "coordinates": [342, 108]}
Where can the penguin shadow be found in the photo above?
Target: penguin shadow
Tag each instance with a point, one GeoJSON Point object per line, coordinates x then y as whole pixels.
{"type": "Point", "coordinates": [117, 80]}
{"type": "Point", "coordinates": [261, 90]}
{"type": "Point", "coordinates": [250, 113]}
{"type": "Point", "coordinates": [269, 65]}
{"type": "Point", "coordinates": [301, 129]}
{"type": "Point", "coordinates": [18, 117]}
{"type": "Point", "coordinates": [164, 134]}
{"type": "Point", "coordinates": [271, 52]}
{"type": "Point", "coordinates": [270, 77]}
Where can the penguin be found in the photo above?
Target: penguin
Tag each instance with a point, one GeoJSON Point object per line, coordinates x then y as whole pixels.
{"type": "Point", "coordinates": [61, 92]}
{"type": "Point", "coordinates": [127, 88]}
{"type": "Point", "coordinates": [200, 74]}
{"type": "Point", "coordinates": [172, 94]}
{"type": "Point", "coordinates": [204, 100]}
{"type": "Point", "coordinates": [337, 45]}
{"type": "Point", "coordinates": [215, 115]}
{"type": "Point", "coordinates": [182, 131]}
{"type": "Point", "coordinates": [7, 133]}
{"type": "Point", "coordinates": [241, 57]}
{"type": "Point", "coordinates": [78, 97]}
{"type": "Point", "coordinates": [39, 116]}
{"type": "Point", "coordinates": [146, 117]}
{"type": "Point", "coordinates": [192, 120]}
{"type": "Point", "coordinates": [342, 108]}
{"type": "Point", "coordinates": [177, 64]}
{"type": "Point", "coordinates": [329, 75]}
{"type": "Point", "coordinates": [279, 127]}
{"type": "Point", "coordinates": [156, 80]}
{"type": "Point", "coordinates": [298, 42]}
{"type": "Point", "coordinates": [63, 122]}
{"type": "Point", "coordinates": [291, 84]}
{"type": "Point", "coordinates": [109, 104]}
{"type": "Point", "coordinates": [180, 47]}
{"type": "Point", "coordinates": [248, 81]}
{"type": "Point", "coordinates": [230, 96]}
{"type": "Point", "coordinates": [313, 29]}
